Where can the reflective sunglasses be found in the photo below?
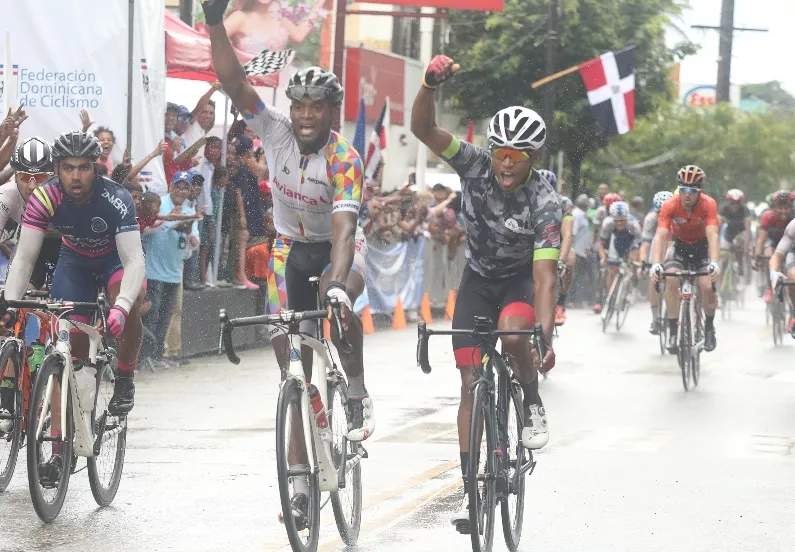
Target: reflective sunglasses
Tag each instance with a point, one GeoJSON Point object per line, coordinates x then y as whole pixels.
{"type": "Point", "coordinates": [39, 177]}
{"type": "Point", "coordinates": [689, 190]}
{"type": "Point", "coordinates": [514, 155]}
{"type": "Point", "coordinates": [315, 93]}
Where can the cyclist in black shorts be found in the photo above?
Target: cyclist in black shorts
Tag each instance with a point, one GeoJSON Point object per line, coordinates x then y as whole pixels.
{"type": "Point", "coordinates": [736, 233]}
{"type": "Point", "coordinates": [513, 220]}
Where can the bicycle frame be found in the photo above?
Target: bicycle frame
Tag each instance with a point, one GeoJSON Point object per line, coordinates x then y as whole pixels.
{"type": "Point", "coordinates": [687, 283]}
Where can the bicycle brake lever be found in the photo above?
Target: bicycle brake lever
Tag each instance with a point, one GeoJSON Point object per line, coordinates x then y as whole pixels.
{"type": "Point", "coordinates": [422, 347]}
{"type": "Point", "coordinates": [336, 313]}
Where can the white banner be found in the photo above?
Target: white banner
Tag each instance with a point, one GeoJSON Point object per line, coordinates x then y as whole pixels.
{"type": "Point", "coordinates": [66, 59]}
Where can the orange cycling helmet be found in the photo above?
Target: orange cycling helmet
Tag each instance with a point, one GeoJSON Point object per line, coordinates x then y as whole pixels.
{"type": "Point", "coordinates": [691, 175]}
{"type": "Point", "coordinates": [610, 198]}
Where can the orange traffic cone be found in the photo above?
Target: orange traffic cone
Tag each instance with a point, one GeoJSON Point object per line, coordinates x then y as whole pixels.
{"type": "Point", "coordinates": [425, 309]}
{"type": "Point", "coordinates": [399, 319]}
{"type": "Point", "coordinates": [449, 309]}
{"type": "Point", "coordinates": [367, 321]}
{"type": "Point", "coordinates": [327, 329]}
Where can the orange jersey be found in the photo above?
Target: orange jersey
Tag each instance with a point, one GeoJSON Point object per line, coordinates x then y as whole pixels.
{"type": "Point", "coordinates": [689, 228]}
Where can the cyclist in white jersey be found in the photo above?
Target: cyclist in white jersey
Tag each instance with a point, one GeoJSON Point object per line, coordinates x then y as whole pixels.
{"type": "Point", "coordinates": [317, 185]}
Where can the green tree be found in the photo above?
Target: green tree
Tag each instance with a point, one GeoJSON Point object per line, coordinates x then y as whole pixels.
{"type": "Point", "coordinates": [503, 53]}
{"type": "Point", "coordinates": [750, 151]}
{"type": "Point", "coordinates": [770, 93]}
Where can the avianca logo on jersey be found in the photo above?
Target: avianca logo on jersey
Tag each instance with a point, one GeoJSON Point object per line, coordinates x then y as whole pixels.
{"type": "Point", "coordinates": [299, 196]}
{"type": "Point", "coordinates": [117, 203]}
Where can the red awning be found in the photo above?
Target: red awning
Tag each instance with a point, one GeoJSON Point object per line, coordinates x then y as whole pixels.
{"type": "Point", "coordinates": [188, 55]}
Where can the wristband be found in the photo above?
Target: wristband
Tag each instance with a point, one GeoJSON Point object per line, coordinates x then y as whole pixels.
{"type": "Point", "coordinates": [428, 86]}
{"type": "Point", "coordinates": [338, 285]}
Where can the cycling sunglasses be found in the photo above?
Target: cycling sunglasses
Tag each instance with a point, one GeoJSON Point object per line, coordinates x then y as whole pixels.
{"type": "Point", "coordinates": [39, 177]}
{"type": "Point", "coordinates": [689, 190]}
{"type": "Point", "coordinates": [514, 155]}
{"type": "Point", "coordinates": [315, 93]}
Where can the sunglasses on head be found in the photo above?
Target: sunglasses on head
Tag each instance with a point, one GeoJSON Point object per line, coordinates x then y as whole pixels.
{"type": "Point", "coordinates": [689, 190]}
{"type": "Point", "coordinates": [39, 177]}
{"type": "Point", "coordinates": [314, 93]}
{"type": "Point", "coordinates": [514, 155]}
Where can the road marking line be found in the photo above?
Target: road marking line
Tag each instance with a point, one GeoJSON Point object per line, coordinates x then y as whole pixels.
{"type": "Point", "coordinates": [327, 520]}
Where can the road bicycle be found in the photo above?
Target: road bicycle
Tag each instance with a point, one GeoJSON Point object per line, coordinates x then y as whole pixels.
{"type": "Point", "coordinates": [15, 365]}
{"type": "Point", "coordinates": [779, 308]}
{"type": "Point", "coordinates": [501, 461]}
{"type": "Point", "coordinates": [731, 290]}
{"type": "Point", "coordinates": [69, 406]}
{"type": "Point", "coordinates": [311, 428]}
{"type": "Point", "coordinates": [690, 338]}
{"type": "Point", "coordinates": [619, 298]}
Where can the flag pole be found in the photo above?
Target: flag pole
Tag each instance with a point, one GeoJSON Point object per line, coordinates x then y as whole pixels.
{"type": "Point", "coordinates": [555, 76]}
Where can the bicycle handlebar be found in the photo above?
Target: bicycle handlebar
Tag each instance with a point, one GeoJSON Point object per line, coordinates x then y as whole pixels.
{"type": "Point", "coordinates": [480, 332]}
{"type": "Point", "coordinates": [693, 273]}
{"type": "Point", "coordinates": [287, 317]}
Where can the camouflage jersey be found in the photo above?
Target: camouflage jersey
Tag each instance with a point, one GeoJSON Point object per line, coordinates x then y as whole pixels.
{"type": "Point", "coordinates": [506, 231]}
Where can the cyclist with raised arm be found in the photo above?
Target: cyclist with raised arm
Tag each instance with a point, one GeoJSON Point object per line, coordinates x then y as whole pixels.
{"type": "Point", "coordinates": [784, 257]}
{"type": "Point", "coordinates": [772, 225]}
{"type": "Point", "coordinates": [691, 220]}
{"type": "Point", "coordinates": [512, 218]}
{"type": "Point", "coordinates": [317, 186]}
{"type": "Point", "coordinates": [32, 163]}
{"type": "Point", "coordinates": [736, 235]}
{"type": "Point", "coordinates": [646, 247]}
{"type": "Point", "coordinates": [96, 218]}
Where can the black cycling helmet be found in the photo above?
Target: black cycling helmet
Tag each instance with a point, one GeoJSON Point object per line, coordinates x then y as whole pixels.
{"type": "Point", "coordinates": [34, 155]}
{"type": "Point", "coordinates": [318, 84]}
{"type": "Point", "coordinates": [76, 144]}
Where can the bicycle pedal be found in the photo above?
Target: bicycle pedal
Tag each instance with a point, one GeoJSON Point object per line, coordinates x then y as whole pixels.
{"type": "Point", "coordinates": [462, 528]}
{"type": "Point", "coordinates": [363, 452]}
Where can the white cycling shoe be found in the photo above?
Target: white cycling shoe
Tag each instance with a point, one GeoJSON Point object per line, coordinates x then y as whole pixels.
{"type": "Point", "coordinates": [6, 425]}
{"type": "Point", "coordinates": [535, 433]}
{"type": "Point", "coordinates": [361, 419]}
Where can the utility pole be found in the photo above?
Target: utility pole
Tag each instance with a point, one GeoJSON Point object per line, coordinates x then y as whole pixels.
{"type": "Point", "coordinates": [726, 34]}
{"type": "Point", "coordinates": [186, 11]}
{"type": "Point", "coordinates": [549, 91]}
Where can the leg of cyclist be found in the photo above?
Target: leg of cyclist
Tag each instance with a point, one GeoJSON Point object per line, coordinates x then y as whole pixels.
{"type": "Point", "coordinates": [517, 314]}
{"type": "Point", "coordinates": [477, 296]}
{"type": "Point", "coordinates": [709, 301]}
{"type": "Point", "coordinates": [277, 298]}
{"type": "Point", "coordinates": [673, 263]}
{"type": "Point", "coordinates": [789, 264]}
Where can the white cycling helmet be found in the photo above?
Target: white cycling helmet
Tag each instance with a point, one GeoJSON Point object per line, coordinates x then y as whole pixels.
{"type": "Point", "coordinates": [660, 198]}
{"type": "Point", "coordinates": [517, 127]}
{"type": "Point", "coordinates": [619, 210]}
{"type": "Point", "coordinates": [735, 195]}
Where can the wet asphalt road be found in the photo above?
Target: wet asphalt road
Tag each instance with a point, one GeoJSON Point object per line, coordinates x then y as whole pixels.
{"type": "Point", "coordinates": [634, 462]}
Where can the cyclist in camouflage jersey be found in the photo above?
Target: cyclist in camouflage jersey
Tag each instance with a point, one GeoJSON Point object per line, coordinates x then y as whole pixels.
{"type": "Point", "coordinates": [513, 224]}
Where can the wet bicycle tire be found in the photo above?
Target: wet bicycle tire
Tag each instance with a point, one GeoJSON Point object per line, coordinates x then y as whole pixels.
{"type": "Point", "coordinates": [482, 500]}
{"type": "Point", "coordinates": [512, 525]}
{"type": "Point", "coordinates": [290, 398]}
{"type": "Point", "coordinates": [684, 344]}
{"type": "Point", "coordinates": [104, 494]}
{"type": "Point", "coordinates": [662, 321]}
{"type": "Point", "coordinates": [10, 353]}
{"type": "Point", "coordinates": [348, 526]}
{"type": "Point", "coordinates": [52, 367]}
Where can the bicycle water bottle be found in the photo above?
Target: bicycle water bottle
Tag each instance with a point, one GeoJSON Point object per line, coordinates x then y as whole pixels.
{"type": "Point", "coordinates": [86, 378]}
{"type": "Point", "coordinates": [36, 355]}
{"type": "Point", "coordinates": [320, 414]}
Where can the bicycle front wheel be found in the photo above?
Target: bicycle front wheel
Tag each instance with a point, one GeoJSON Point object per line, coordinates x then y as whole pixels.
{"type": "Point", "coordinates": [685, 344]}
{"type": "Point", "coordinates": [303, 527]}
{"type": "Point", "coordinates": [610, 303]}
{"type": "Point", "coordinates": [512, 506]}
{"type": "Point", "coordinates": [12, 440]}
{"type": "Point", "coordinates": [622, 304]}
{"type": "Point", "coordinates": [482, 472]}
{"type": "Point", "coordinates": [662, 322]}
{"type": "Point", "coordinates": [48, 495]}
{"type": "Point", "coordinates": [105, 469]}
{"type": "Point", "coordinates": [347, 502]}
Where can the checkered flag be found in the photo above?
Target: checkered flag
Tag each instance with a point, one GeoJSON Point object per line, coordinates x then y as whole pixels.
{"type": "Point", "coordinates": [267, 62]}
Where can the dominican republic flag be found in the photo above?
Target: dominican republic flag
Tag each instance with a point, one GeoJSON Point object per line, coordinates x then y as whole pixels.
{"type": "Point", "coordinates": [377, 143]}
{"type": "Point", "coordinates": [610, 82]}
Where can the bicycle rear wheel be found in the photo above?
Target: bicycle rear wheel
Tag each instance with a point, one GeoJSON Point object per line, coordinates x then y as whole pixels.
{"type": "Point", "coordinates": [685, 343]}
{"type": "Point", "coordinates": [480, 482]}
{"type": "Point", "coordinates": [347, 502]}
{"type": "Point", "coordinates": [512, 506]}
{"type": "Point", "coordinates": [303, 533]}
{"type": "Point", "coordinates": [48, 501]}
{"type": "Point", "coordinates": [11, 441]}
{"type": "Point", "coordinates": [105, 469]}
